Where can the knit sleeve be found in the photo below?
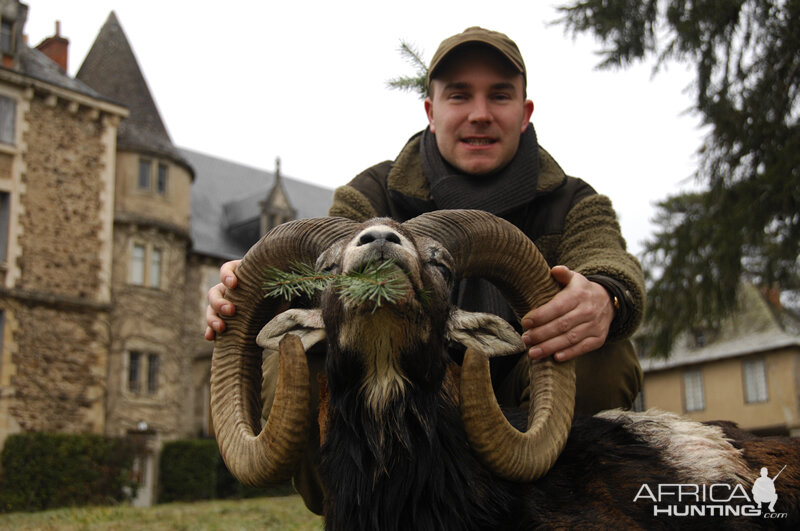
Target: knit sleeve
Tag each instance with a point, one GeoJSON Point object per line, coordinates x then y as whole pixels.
{"type": "Point", "coordinates": [350, 203]}
{"type": "Point", "coordinates": [364, 197]}
{"type": "Point", "coordinates": [592, 244]}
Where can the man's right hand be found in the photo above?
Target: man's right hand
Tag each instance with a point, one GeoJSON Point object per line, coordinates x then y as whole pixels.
{"type": "Point", "coordinates": [217, 304]}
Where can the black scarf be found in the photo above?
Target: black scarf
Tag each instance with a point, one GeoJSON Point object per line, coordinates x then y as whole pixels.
{"type": "Point", "coordinates": [498, 192]}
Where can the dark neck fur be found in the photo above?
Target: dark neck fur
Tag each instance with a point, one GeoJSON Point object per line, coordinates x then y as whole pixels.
{"type": "Point", "coordinates": [410, 469]}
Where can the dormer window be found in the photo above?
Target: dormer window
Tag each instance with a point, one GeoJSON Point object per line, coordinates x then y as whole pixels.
{"type": "Point", "coordinates": [6, 37]}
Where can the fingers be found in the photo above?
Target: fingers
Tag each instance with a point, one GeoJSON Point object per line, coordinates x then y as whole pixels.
{"type": "Point", "coordinates": [573, 333]}
{"type": "Point", "coordinates": [217, 304]}
{"type": "Point", "coordinates": [227, 273]}
{"type": "Point", "coordinates": [580, 339]}
{"type": "Point", "coordinates": [574, 322]}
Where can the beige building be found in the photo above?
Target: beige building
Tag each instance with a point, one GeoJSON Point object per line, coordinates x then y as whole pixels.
{"type": "Point", "coordinates": [110, 237]}
{"type": "Point", "coordinates": [747, 372]}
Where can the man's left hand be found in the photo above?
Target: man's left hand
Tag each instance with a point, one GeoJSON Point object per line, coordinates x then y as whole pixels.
{"type": "Point", "coordinates": [574, 322]}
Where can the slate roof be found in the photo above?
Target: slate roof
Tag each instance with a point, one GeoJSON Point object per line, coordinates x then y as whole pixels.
{"type": "Point", "coordinates": [225, 203]}
{"type": "Point", "coordinates": [757, 327]}
{"type": "Point", "coordinates": [111, 69]}
{"type": "Point", "coordinates": [35, 64]}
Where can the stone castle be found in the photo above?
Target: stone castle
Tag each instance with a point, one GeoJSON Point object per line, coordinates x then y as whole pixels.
{"type": "Point", "coordinates": [110, 237]}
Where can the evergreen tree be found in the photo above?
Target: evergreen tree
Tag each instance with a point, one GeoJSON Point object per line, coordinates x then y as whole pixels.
{"type": "Point", "coordinates": [745, 223]}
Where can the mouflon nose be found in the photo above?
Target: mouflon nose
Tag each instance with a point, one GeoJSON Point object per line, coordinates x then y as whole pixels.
{"type": "Point", "coordinates": [379, 237]}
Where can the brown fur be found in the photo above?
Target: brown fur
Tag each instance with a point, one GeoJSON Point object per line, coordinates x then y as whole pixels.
{"type": "Point", "coordinates": [324, 404]}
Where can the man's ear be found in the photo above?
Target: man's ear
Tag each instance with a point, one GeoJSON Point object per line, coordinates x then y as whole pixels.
{"type": "Point", "coordinates": [485, 332]}
{"type": "Point", "coordinates": [429, 113]}
{"type": "Point", "coordinates": [527, 113]}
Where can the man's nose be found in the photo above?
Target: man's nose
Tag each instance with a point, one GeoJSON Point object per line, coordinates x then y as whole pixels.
{"type": "Point", "coordinates": [480, 112]}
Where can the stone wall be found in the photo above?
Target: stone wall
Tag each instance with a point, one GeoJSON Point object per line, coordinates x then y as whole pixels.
{"type": "Point", "coordinates": [59, 384]}
{"type": "Point", "coordinates": [61, 221]}
{"type": "Point", "coordinates": [61, 336]}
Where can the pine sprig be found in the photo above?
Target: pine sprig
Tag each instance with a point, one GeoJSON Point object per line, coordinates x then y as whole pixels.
{"type": "Point", "coordinates": [301, 279]}
{"type": "Point", "coordinates": [378, 283]}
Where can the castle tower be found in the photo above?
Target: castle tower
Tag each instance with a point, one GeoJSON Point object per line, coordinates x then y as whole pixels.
{"type": "Point", "coordinates": [146, 384]}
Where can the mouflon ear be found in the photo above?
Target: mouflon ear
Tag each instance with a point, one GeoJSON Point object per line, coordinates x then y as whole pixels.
{"type": "Point", "coordinates": [484, 332]}
{"type": "Point", "coordinates": [305, 324]}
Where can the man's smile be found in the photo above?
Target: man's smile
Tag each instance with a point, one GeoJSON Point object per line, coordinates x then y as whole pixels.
{"type": "Point", "coordinates": [478, 141]}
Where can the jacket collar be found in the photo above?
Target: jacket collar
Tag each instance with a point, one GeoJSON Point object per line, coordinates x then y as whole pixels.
{"type": "Point", "coordinates": [407, 178]}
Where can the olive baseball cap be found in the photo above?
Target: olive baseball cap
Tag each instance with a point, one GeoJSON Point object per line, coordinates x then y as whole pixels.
{"type": "Point", "coordinates": [498, 41]}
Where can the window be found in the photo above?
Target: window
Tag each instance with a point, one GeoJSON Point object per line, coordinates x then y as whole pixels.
{"type": "Point", "coordinates": [161, 181]}
{"type": "Point", "coordinates": [143, 373]}
{"type": "Point", "coordinates": [137, 265]}
{"type": "Point", "coordinates": [693, 396]}
{"type": "Point", "coordinates": [6, 37]}
{"type": "Point", "coordinates": [146, 267]}
{"type": "Point", "coordinates": [144, 174]}
{"type": "Point", "coordinates": [755, 381]}
{"type": "Point", "coordinates": [4, 206]}
{"type": "Point", "coordinates": [150, 183]}
{"type": "Point", "coordinates": [155, 268]}
{"type": "Point", "coordinates": [8, 118]}
{"type": "Point", "coordinates": [134, 373]}
{"type": "Point", "coordinates": [152, 373]}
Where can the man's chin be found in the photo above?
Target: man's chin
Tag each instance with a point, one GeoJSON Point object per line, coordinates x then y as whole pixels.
{"type": "Point", "coordinates": [479, 168]}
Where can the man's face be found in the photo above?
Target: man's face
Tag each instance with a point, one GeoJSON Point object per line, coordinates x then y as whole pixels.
{"type": "Point", "coordinates": [478, 112]}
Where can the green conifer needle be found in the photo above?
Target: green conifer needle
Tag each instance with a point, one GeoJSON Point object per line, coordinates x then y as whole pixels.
{"type": "Point", "coordinates": [376, 282]}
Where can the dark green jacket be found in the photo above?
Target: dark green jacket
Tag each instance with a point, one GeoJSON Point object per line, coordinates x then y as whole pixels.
{"type": "Point", "coordinates": [568, 221]}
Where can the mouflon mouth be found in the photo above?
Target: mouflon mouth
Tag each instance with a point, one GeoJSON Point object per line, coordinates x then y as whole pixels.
{"type": "Point", "coordinates": [379, 282]}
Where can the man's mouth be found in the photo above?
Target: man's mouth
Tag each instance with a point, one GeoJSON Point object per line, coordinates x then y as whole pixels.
{"type": "Point", "coordinates": [478, 141]}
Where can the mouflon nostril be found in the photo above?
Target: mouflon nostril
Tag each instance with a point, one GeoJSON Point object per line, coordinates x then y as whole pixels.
{"type": "Point", "coordinates": [379, 236]}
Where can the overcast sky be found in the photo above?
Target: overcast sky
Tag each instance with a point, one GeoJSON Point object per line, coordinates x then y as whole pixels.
{"type": "Point", "coordinates": [252, 80]}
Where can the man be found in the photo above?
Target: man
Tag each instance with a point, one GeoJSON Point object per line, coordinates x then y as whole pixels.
{"type": "Point", "coordinates": [480, 152]}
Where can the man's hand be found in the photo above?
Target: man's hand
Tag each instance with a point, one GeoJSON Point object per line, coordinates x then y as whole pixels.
{"type": "Point", "coordinates": [217, 304]}
{"type": "Point", "coordinates": [574, 322]}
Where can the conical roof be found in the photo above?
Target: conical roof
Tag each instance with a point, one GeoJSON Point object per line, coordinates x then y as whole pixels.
{"type": "Point", "coordinates": [111, 69]}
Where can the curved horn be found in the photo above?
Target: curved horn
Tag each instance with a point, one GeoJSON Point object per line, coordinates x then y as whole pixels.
{"type": "Point", "coordinates": [486, 246]}
{"type": "Point", "coordinates": [236, 364]}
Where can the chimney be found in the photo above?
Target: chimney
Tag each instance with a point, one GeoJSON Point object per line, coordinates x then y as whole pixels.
{"type": "Point", "coordinates": [56, 48]}
{"type": "Point", "coordinates": [773, 296]}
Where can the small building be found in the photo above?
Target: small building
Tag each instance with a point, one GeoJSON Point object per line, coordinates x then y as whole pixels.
{"type": "Point", "coordinates": [747, 371]}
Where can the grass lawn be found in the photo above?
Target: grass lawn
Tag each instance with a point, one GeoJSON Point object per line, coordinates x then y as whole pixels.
{"type": "Point", "coordinates": [278, 513]}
